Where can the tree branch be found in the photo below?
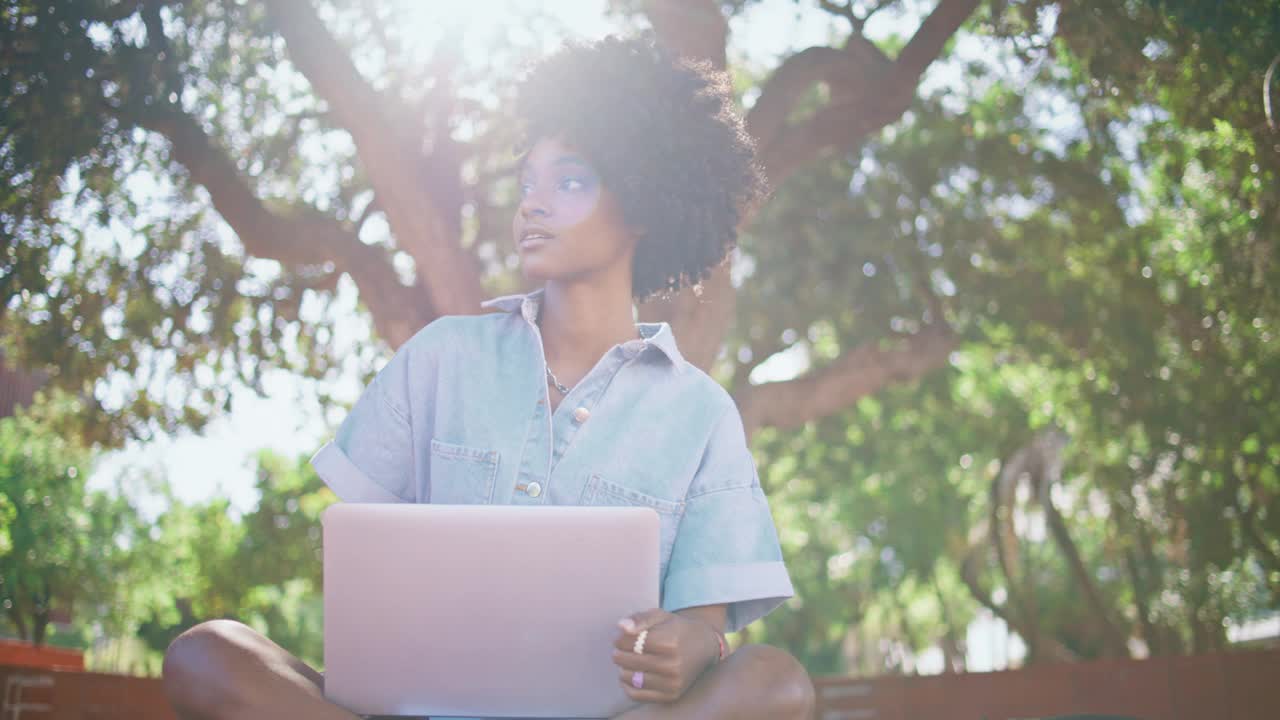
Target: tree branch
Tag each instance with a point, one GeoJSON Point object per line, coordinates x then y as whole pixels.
{"type": "Point", "coordinates": [844, 10]}
{"type": "Point", "coordinates": [1169, 640]}
{"type": "Point", "coordinates": [1141, 600]}
{"type": "Point", "coordinates": [405, 182]}
{"type": "Point", "coordinates": [926, 45]}
{"type": "Point", "coordinates": [872, 96]}
{"type": "Point", "coordinates": [700, 321]}
{"type": "Point", "coordinates": [857, 373]}
{"type": "Point", "coordinates": [120, 10]}
{"type": "Point", "coordinates": [302, 236]}
{"type": "Point", "coordinates": [18, 619]}
{"type": "Point", "coordinates": [368, 211]}
{"type": "Point", "coordinates": [1248, 514]}
{"type": "Point", "coordinates": [787, 84]}
{"type": "Point", "coordinates": [1038, 646]}
{"type": "Point", "coordinates": [692, 28]}
{"type": "Point", "coordinates": [761, 350]}
{"type": "Point", "coordinates": [1048, 449]}
{"type": "Point", "coordinates": [1005, 542]}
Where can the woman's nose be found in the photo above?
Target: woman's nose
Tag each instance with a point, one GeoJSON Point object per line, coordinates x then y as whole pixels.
{"type": "Point", "coordinates": [531, 205]}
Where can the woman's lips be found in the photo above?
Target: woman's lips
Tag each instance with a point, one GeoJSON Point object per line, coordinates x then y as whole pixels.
{"type": "Point", "coordinates": [533, 241]}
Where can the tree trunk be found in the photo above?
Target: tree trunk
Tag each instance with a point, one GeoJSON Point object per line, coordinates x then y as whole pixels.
{"type": "Point", "coordinates": [1049, 446]}
{"type": "Point", "coordinates": [1039, 647]}
{"type": "Point", "coordinates": [19, 622]}
{"type": "Point", "coordinates": [953, 646]}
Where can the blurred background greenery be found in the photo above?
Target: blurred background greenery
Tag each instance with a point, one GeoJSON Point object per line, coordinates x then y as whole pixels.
{"type": "Point", "coordinates": [1004, 335]}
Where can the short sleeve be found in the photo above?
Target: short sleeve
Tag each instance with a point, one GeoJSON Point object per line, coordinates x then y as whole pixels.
{"type": "Point", "coordinates": [726, 550]}
{"type": "Point", "coordinates": [370, 459]}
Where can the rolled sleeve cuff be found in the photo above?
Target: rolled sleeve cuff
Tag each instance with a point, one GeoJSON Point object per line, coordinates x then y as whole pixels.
{"type": "Point", "coordinates": [751, 590]}
{"type": "Point", "coordinates": [346, 480]}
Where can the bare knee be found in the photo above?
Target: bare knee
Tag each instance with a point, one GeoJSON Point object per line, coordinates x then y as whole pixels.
{"type": "Point", "coordinates": [790, 690]}
{"type": "Point", "coordinates": [197, 672]}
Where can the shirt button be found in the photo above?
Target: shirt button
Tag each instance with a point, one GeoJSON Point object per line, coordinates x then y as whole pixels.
{"type": "Point", "coordinates": [534, 489]}
{"type": "Point", "coordinates": [581, 414]}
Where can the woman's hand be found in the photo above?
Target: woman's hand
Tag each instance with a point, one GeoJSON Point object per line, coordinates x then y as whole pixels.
{"type": "Point", "coordinates": [676, 651]}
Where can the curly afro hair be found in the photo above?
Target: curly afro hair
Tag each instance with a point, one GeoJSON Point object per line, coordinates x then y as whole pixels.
{"type": "Point", "coordinates": [664, 136]}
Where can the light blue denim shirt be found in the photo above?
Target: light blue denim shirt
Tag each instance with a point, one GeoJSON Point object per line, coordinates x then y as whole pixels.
{"type": "Point", "coordinates": [460, 415]}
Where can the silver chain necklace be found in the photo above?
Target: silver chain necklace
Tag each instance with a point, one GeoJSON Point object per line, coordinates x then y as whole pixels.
{"type": "Point", "coordinates": [563, 390]}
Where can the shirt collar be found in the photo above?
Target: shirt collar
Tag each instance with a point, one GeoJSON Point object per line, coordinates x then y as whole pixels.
{"type": "Point", "coordinates": [657, 334]}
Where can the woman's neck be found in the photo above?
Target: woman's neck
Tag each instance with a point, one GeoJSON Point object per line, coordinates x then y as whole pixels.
{"type": "Point", "coordinates": [580, 323]}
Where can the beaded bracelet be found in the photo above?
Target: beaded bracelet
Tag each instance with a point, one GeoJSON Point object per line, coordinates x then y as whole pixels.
{"type": "Point", "coordinates": [720, 640]}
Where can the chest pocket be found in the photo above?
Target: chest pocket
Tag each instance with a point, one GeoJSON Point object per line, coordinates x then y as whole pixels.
{"type": "Point", "coordinates": [462, 475]}
{"type": "Point", "coordinates": [599, 491]}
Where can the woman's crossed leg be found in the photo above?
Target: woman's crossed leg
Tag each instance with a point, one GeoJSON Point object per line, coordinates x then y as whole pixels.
{"type": "Point", "coordinates": [224, 670]}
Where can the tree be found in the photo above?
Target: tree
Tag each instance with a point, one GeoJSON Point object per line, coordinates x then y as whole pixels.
{"type": "Point", "coordinates": [262, 569]}
{"type": "Point", "coordinates": [1095, 463]}
{"type": "Point", "coordinates": [64, 547]}
{"type": "Point", "coordinates": [88, 554]}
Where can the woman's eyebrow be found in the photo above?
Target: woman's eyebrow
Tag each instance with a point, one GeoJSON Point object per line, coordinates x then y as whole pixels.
{"type": "Point", "coordinates": [572, 160]}
{"type": "Point", "coordinates": [525, 170]}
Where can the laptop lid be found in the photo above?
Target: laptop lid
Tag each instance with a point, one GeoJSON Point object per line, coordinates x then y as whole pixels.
{"type": "Point", "coordinates": [482, 610]}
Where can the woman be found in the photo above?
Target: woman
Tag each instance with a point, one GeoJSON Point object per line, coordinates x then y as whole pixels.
{"type": "Point", "coordinates": [634, 173]}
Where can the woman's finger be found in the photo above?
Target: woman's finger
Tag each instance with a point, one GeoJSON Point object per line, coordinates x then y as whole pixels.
{"type": "Point", "coordinates": [648, 681]}
{"type": "Point", "coordinates": [648, 693]}
{"type": "Point", "coordinates": [626, 642]}
{"type": "Point", "coordinates": [645, 663]}
{"type": "Point", "coordinates": [642, 621]}
{"type": "Point", "coordinates": [655, 641]}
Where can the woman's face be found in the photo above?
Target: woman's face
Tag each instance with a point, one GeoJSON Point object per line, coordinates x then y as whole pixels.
{"type": "Point", "coordinates": [568, 225]}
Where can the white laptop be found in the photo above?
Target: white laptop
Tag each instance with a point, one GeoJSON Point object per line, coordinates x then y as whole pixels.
{"type": "Point", "coordinates": [482, 610]}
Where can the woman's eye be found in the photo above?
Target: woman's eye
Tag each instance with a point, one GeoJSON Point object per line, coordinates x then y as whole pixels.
{"type": "Point", "coordinates": [525, 188]}
{"type": "Point", "coordinates": [571, 184]}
